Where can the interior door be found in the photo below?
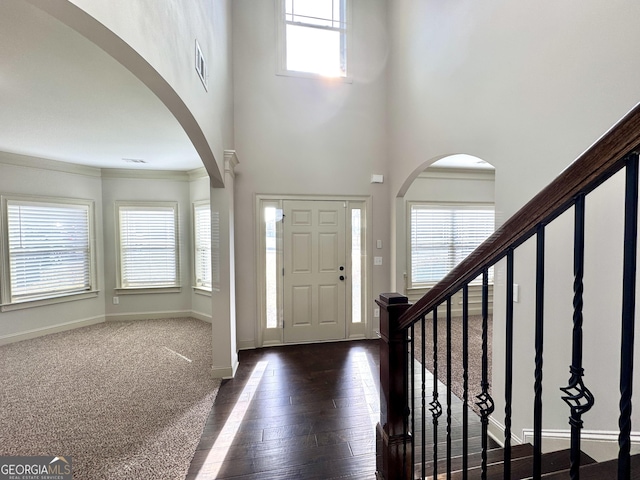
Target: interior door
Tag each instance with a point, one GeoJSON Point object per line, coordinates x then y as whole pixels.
{"type": "Point", "coordinates": [314, 270]}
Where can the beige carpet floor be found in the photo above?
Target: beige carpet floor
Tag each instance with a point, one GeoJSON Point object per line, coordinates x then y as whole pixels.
{"type": "Point", "coordinates": [126, 400]}
{"type": "Point", "coordinates": [475, 354]}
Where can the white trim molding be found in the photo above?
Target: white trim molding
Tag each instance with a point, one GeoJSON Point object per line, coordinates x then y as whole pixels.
{"type": "Point", "coordinates": [230, 162]}
{"type": "Point", "coordinates": [129, 317]}
{"type": "Point", "coordinates": [246, 345]}
{"type": "Point", "coordinates": [225, 372]}
{"type": "Point", "coordinates": [26, 161]}
{"type": "Point", "coordinates": [496, 432]}
{"type": "Point", "coordinates": [40, 332]}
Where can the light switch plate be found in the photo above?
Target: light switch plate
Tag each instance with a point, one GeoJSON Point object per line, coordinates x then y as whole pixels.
{"type": "Point", "coordinates": [377, 260]}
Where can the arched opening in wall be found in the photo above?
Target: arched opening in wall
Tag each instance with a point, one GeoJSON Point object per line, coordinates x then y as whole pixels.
{"type": "Point", "coordinates": [443, 214]}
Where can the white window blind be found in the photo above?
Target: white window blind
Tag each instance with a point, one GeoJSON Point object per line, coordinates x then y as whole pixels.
{"type": "Point", "coordinates": [442, 236]}
{"type": "Point", "coordinates": [315, 36]}
{"type": "Point", "coordinates": [202, 234]}
{"type": "Point", "coordinates": [148, 246]}
{"type": "Point", "coordinates": [49, 249]}
{"type": "Point", "coordinates": [215, 249]}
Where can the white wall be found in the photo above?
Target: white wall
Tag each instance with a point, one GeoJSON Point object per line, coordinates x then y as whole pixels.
{"type": "Point", "coordinates": [438, 185]}
{"type": "Point", "coordinates": [304, 136]}
{"type": "Point", "coordinates": [155, 39]}
{"type": "Point", "coordinates": [30, 176]}
{"type": "Point", "coordinates": [34, 176]}
{"type": "Point", "coordinates": [120, 188]}
{"type": "Point", "coordinates": [527, 86]}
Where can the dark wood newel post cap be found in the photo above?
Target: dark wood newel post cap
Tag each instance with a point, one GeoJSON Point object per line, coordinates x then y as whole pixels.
{"type": "Point", "coordinates": [391, 299]}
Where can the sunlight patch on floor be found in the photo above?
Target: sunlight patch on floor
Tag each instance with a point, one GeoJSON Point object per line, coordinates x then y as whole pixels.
{"type": "Point", "coordinates": [224, 441]}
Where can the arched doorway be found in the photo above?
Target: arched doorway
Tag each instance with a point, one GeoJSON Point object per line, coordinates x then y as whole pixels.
{"type": "Point", "coordinates": [452, 183]}
{"type": "Point", "coordinates": [443, 214]}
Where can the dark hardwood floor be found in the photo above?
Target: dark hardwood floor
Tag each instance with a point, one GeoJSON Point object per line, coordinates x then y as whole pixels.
{"type": "Point", "coordinates": [297, 412]}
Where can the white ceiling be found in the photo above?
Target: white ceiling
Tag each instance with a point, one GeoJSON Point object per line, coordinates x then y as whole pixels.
{"type": "Point", "coordinates": [63, 98]}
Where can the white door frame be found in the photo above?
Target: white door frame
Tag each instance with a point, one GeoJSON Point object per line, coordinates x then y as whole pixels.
{"type": "Point", "coordinates": [274, 336]}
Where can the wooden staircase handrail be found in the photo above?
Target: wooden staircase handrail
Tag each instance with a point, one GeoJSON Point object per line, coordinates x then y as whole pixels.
{"type": "Point", "coordinates": [598, 163]}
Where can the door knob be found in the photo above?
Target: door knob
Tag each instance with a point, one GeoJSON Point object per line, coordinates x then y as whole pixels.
{"type": "Point", "coordinates": [342, 277]}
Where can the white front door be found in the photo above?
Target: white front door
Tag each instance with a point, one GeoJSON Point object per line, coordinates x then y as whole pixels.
{"type": "Point", "coordinates": [314, 270]}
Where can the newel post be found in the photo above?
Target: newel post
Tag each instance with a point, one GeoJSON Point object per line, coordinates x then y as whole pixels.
{"type": "Point", "coordinates": [393, 446]}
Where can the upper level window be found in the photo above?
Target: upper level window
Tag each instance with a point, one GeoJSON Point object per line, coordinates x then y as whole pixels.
{"type": "Point", "coordinates": [313, 37]}
{"type": "Point", "coordinates": [47, 250]}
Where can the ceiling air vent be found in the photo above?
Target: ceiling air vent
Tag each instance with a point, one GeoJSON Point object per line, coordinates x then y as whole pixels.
{"type": "Point", "coordinates": [201, 65]}
{"type": "Point", "coordinates": [134, 160]}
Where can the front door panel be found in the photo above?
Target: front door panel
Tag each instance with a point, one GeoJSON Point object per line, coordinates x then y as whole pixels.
{"type": "Point", "coordinates": [314, 271]}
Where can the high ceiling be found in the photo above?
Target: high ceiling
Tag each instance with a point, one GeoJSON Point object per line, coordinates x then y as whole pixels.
{"type": "Point", "coordinates": [63, 98]}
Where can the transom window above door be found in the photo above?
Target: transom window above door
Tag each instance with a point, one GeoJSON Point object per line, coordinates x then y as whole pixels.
{"type": "Point", "coordinates": [313, 37]}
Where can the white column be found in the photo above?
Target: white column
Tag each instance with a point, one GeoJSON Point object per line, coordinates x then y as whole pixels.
{"type": "Point", "coordinates": [223, 311]}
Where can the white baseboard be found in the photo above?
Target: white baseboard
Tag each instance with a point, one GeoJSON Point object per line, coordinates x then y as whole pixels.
{"type": "Point", "coordinates": [201, 316]}
{"type": "Point", "coordinates": [128, 317]}
{"type": "Point", "coordinates": [61, 327]}
{"type": "Point", "coordinates": [246, 345]}
{"type": "Point", "coordinates": [496, 432]}
{"type": "Point", "coordinates": [85, 322]}
{"type": "Point", "coordinates": [225, 372]}
{"type": "Point", "coordinates": [601, 445]}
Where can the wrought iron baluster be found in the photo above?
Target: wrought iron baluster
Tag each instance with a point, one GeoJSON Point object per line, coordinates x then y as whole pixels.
{"type": "Point", "coordinates": [508, 390]}
{"type": "Point", "coordinates": [577, 395]}
{"type": "Point", "coordinates": [405, 422]}
{"type": "Point", "coordinates": [436, 407]}
{"type": "Point", "coordinates": [628, 315]}
{"type": "Point", "coordinates": [424, 398]}
{"type": "Point", "coordinates": [413, 397]}
{"type": "Point", "coordinates": [465, 380]}
{"type": "Point", "coordinates": [485, 402]}
{"type": "Point", "coordinates": [537, 387]}
{"type": "Point", "coordinates": [448, 388]}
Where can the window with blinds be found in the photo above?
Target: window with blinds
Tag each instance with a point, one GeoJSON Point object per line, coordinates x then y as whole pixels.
{"type": "Point", "coordinates": [215, 250]}
{"type": "Point", "coordinates": [48, 249]}
{"type": "Point", "coordinates": [442, 236]}
{"type": "Point", "coordinates": [148, 245]}
{"type": "Point", "coordinates": [202, 245]}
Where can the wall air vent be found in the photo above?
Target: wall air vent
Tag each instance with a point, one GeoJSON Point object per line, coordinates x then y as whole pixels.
{"type": "Point", "coordinates": [201, 65]}
{"type": "Point", "coordinates": [134, 160]}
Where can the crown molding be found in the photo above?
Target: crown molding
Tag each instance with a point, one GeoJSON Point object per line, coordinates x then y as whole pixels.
{"type": "Point", "coordinates": [145, 174]}
{"type": "Point", "coordinates": [198, 173]}
{"type": "Point", "coordinates": [38, 163]}
{"type": "Point", "coordinates": [458, 173]}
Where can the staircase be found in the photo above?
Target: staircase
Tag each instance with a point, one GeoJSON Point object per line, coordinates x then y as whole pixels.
{"type": "Point", "coordinates": [405, 406]}
{"type": "Point", "coordinates": [555, 466]}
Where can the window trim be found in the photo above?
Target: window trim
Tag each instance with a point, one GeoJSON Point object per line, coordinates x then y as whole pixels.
{"type": "Point", "coordinates": [281, 46]}
{"type": "Point", "coordinates": [410, 284]}
{"type": "Point", "coordinates": [201, 289]}
{"type": "Point", "coordinates": [120, 289]}
{"type": "Point", "coordinates": [6, 303]}
{"type": "Point", "coordinates": [274, 336]}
